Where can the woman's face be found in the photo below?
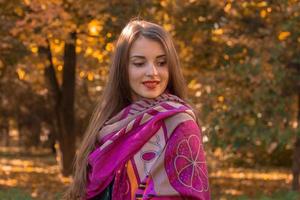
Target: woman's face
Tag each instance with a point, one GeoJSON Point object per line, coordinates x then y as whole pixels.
{"type": "Point", "coordinates": [148, 69]}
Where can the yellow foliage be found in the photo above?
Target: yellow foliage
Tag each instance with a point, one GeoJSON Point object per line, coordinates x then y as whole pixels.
{"type": "Point", "coordinates": [221, 98]}
{"type": "Point", "coordinates": [78, 49]}
{"type": "Point", "coordinates": [225, 108]}
{"type": "Point", "coordinates": [109, 47]}
{"type": "Point", "coordinates": [90, 76]}
{"type": "Point", "coordinates": [229, 43]}
{"type": "Point", "coordinates": [226, 57]}
{"type": "Point", "coordinates": [43, 6]}
{"type": "Point", "coordinates": [168, 27]}
{"type": "Point", "coordinates": [103, 72]}
{"type": "Point", "coordinates": [218, 152]}
{"type": "Point", "coordinates": [294, 124]}
{"type": "Point", "coordinates": [218, 31]}
{"type": "Point", "coordinates": [208, 89]}
{"type": "Point", "coordinates": [57, 46]}
{"type": "Point", "coordinates": [227, 7]}
{"type": "Point", "coordinates": [252, 174]}
{"type": "Point", "coordinates": [19, 11]}
{"type": "Point", "coordinates": [215, 39]}
{"type": "Point", "coordinates": [82, 74]}
{"type": "Point", "coordinates": [269, 9]}
{"type": "Point", "coordinates": [21, 73]}
{"type": "Point", "coordinates": [263, 13]}
{"type": "Point", "coordinates": [59, 67]}
{"type": "Point", "coordinates": [201, 19]}
{"type": "Point", "coordinates": [100, 58]}
{"type": "Point", "coordinates": [88, 51]}
{"type": "Point", "coordinates": [283, 35]}
{"type": "Point", "coordinates": [79, 41]}
{"type": "Point", "coordinates": [164, 3]}
{"type": "Point", "coordinates": [245, 4]}
{"type": "Point", "coordinates": [113, 19]}
{"type": "Point", "coordinates": [95, 27]}
{"type": "Point", "coordinates": [10, 182]}
{"type": "Point", "coordinates": [98, 55]}
{"type": "Point", "coordinates": [34, 49]}
{"type": "Point", "coordinates": [40, 66]}
{"type": "Point", "coordinates": [166, 17]}
{"type": "Point", "coordinates": [194, 85]}
{"type": "Point", "coordinates": [262, 4]}
{"type": "Point", "coordinates": [108, 35]}
{"type": "Point", "coordinates": [198, 93]}
{"type": "Point", "coordinates": [55, 60]}
{"type": "Point", "coordinates": [26, 2]}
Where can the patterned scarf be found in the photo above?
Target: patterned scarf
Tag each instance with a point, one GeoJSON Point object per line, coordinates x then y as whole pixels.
{"type": "Point", "coordinates": [151, 149]}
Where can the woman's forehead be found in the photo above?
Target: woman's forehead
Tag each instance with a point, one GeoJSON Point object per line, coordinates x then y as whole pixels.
{"type": "Point", "coordinates": [144, 47]}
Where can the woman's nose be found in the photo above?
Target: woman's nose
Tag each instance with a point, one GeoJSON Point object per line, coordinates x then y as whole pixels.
{"type": "Point", "coordinates": [152, 69]}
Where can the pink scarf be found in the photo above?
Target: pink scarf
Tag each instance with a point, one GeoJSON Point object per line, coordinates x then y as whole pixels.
{"type": "Point", "coordinates": [152, 149]}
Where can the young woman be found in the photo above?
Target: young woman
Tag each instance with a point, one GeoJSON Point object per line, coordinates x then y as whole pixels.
{"type": "Point", "coordinates": [143, 140]}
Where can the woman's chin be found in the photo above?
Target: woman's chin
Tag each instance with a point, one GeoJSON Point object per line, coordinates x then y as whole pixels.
{"type": "Point", "coordinates": [147, 95]}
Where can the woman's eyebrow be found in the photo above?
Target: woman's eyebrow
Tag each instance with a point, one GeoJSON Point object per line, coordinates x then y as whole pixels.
{"type": "Point", "coordinates": [160, 56]}
{"type": "Point", "coordinates": [137, 56]}
{"type": "Point", "coordinates": [143, 57]}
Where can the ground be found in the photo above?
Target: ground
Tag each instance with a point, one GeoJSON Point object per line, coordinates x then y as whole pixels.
{"type": "Point", "coordinates": [34, 174]}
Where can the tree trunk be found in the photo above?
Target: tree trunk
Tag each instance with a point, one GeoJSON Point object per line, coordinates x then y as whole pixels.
{"type": "Point", "coordinates": [4, 129]}
{"type": "Point", "coordinates": [52, 140]}
{"type": "Point", "coordinates": [296, 155]}
{"type": "Point", "coordinates": [64, 104]}
{"type": "Point", "coordinates": [67, 135]}
{"type": "Point", "coordinates": [33, 124]}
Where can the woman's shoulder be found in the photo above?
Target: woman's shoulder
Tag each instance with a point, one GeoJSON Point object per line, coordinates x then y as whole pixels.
{"type": "Point", "coordinates": [184, 115]}
{"type": "Point", "coordinates": [180, 119]}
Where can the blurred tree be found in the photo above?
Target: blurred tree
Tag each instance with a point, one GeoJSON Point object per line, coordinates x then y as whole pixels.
{"type": "Point", "coordinates": [247, 55]}
{"type": "Point", "coordinates": [11, 49]}
{"type": "Point", "coordinates": [240, 59]}
{"type": "Point", "coordinates": [77, 28]}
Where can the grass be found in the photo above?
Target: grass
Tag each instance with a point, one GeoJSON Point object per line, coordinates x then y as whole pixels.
{"type": "Point", "coordinates": [14, 194]}
{"type": "Point", "coordinates": [280, 195]}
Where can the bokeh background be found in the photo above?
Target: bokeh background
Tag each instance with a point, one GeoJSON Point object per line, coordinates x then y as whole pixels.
{"type": "Point", "coordinates": [241, 60]}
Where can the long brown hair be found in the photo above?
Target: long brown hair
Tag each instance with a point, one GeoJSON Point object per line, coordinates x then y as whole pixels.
{"type": "Point", "coordinates": [116, 95]}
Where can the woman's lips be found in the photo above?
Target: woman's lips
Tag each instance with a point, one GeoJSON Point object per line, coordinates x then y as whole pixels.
{"type": "Point", "coordinates": [151, 84]}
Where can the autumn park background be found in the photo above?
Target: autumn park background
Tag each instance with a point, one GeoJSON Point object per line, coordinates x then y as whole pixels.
{"type": "Point", "coordinates": [241, 60]}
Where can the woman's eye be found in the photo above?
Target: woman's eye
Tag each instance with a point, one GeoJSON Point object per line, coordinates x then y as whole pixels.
{"type": "Point", "coordinates": [161, 63]}
{"type": "Point", "coordinates": [139, 64]}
